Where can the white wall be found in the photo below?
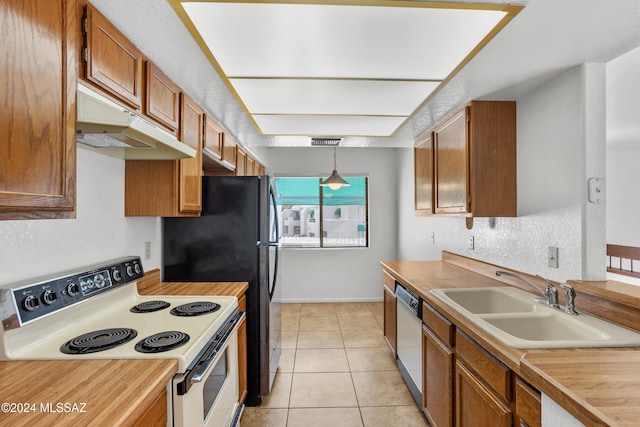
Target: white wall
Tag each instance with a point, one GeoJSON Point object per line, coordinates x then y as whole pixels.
{"type": "Point", "coordinates": [99, 233]}
{"type": "Point", "coordinates": [553, 166]}
{"type": "Point", "coordinates": [343, 274]}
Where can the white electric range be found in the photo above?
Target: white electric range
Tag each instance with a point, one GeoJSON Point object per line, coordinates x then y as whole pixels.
{"type": "Point", "coordinates": [96, 313]}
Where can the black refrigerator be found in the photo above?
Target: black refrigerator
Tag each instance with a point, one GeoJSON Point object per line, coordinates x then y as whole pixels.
{"type": "Point", "coordinates": [235, 239]}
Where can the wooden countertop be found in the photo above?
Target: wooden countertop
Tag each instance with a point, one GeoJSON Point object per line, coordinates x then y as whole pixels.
{"type": "Point", "coordinates": [109, 392]}
{"type": "Point", "coordinates": [91, 392]}
{"type": "Point", "coordinates": [151, 285]}
{"type": "Point", "coordinates": [598, 386]}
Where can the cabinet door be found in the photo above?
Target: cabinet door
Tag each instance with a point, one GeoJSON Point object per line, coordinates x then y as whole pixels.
{"type": "Point", "coordinates": [191, 133]}
{"type": "Point", "coordinates": [423, 175]}
{"type": "Point", "coordinates": [113, 63]}
{"type": "Point", "coordinates": [451, 164]}
{"type": "Point", "coordinates": [37, 112]}
{"type": "Point", "coordinates": [241, 162]}
{"type": "Point", "coordinates": [528, 405]}
{"type": "Point", "coordinates": [229, 151]}
{"type": "Point", "coordinates": [251, 166]}
{"type": "Point", "coordinates": [213, 139]}
{"type": "Point", "coordinates": [476, 405]}
{"type": "Point", "coordinates": [242, 360]}
{"type": "Point", "coordinates": [390, 319]}
{"type": "Point", "coordinates": [437, 387]}
{"type": "Point", "coordinates": [162, 98]}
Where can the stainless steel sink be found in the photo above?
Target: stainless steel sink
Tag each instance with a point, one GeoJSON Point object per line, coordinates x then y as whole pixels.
{"type": "Point", "coordinates": [513, 316]}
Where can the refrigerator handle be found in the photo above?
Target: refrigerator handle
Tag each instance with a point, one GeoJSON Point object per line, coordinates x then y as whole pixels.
{"type": "Point", "coordinates": [272, 196]}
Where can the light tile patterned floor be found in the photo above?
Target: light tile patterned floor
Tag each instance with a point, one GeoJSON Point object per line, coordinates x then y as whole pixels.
{"type": "Point", "coordinates": [336, 370]}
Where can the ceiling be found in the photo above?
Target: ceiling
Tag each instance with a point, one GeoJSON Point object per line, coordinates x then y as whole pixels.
{"type": "Point", "coordinates": [337, 69]}
{"type": "Point", "coordinates": [542, 41]}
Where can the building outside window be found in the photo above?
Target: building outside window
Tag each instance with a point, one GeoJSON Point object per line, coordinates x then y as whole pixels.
{"type": "Point", "coordinates": [313, 216]}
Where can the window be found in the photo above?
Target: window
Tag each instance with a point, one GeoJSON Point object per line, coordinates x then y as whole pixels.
{"type": "Point", "coordinates": [312, 216]}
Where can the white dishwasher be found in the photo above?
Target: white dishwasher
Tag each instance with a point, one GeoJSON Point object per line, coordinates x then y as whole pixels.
{"type": "Point", "coordinates": [409, 339]}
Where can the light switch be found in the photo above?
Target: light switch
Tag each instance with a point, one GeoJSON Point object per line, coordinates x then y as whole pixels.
{"type": "Point", "coordinates": [596, 190]}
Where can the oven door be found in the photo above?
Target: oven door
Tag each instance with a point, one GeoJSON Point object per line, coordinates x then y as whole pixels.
{"type": "Point", "coordinates": [207, 395]}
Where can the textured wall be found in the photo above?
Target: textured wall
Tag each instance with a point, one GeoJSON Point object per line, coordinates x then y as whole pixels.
{"type": "Point", "coordinates": [343, 274]}
{"type": "Point", "coordinates": [100, 232]}
{"type": "Point", "coordinates": [552, 171]}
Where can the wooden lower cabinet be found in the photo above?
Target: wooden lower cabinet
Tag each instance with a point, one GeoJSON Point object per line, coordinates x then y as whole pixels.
{"type": "Point", "coordinates": [157, 413]}
{"type": "Point", "coordinates": [242, 351]}
{"type": "Point", "coordinates": [528, 404]}
{"type": "Point", "coordinates": [242, 360]}
{"type": "Point", "coordinates": [437, 387]}
{"type": "Point", "coordinates": [390, 319]}
{"type": "Point", "coordinates": [466, 386]}
{"type": "Point", "coordinates": [476, 405]}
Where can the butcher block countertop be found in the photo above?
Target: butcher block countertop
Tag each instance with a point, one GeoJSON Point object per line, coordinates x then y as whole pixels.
{"type": "Point", "coordinates": [598, 386]}
{"type": "Point", "coordinates": [80, 392]}
{"type": "Point", "coordinates": [95, 392]}
{"type": "Point", "coordinates": [151, 285]}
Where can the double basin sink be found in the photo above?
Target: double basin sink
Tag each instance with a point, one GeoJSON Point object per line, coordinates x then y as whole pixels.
{"type": "Point", "coordinates": [513, 316]}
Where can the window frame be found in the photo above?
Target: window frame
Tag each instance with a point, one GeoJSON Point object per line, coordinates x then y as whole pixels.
{"type": "Point", "coordinates": [320, 216]}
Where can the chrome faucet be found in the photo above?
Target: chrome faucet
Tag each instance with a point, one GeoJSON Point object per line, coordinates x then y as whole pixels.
{"type": "Point", "coordinates": [571, 296]}
{"type": "Point", "coordinates": [550, 294]}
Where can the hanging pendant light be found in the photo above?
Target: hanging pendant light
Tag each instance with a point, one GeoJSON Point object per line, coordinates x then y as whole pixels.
{"type": "Point", "coordinates": [335, 181]}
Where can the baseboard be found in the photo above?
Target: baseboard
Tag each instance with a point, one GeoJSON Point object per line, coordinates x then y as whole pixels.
{"type": "Point", "coordinates": [311, 301]}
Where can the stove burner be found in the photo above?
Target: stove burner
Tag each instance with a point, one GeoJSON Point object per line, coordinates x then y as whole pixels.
{"type": "Point", "coordinates": [195, 308]}
{"type": "Point", "coordinates": [163, 341]}
{"type": "Point", "coordinates": [150, 306]}
{"type": "Point", "coordinates": [96, 341]}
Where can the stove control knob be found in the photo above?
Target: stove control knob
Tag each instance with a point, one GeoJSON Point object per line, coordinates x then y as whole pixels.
{"type": "Point", "coordinates": [30, 303]}
{"type": "Point", "coordinates": [137, 268]}
{"type": "Point", "coordinates": [129, 271]}
{"type": "Point", "coordinates": [116, 275]}
{"type": "Point", "coordinates": [72, 289]}
{"type": "Point", "coordinates": [49, 297]}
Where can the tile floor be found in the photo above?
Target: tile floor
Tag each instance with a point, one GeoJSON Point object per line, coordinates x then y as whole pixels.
{"type": "Point", "coordinates": [336, 370]}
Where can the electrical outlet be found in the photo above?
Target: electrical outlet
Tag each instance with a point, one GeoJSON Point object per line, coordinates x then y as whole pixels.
{"type": "Point", "coordinates": [471, 243]}
{"type": "Point", "coordinates": [147, 250]}
{"type": "Point", "coordinates": [433, 237]}
{"type": "Point", "coordinates": [552, 257]}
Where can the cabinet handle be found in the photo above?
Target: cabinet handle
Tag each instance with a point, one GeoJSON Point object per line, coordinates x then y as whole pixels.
{"type": "Point", "coordinates": [523, 423]}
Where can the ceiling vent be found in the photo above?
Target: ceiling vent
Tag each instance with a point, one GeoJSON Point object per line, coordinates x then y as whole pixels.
{"type": "Point", "coordinates": [325, 142]}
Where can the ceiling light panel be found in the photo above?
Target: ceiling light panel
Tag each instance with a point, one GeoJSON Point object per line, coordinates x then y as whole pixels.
{"type": "Point", "coordinates": [321, 96]}
{"type": "Point", "coordinates": [306, 40]}
{"type": "Point", "coordinates": [361, 68]}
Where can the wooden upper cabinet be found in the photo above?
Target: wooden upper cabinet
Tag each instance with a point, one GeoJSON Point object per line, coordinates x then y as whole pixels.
{"type": "Point", "coordinates": [111, 61]}
{"type": "Point", "coordinates": [251, 166]}
{"type": "Point", "coordinates": [37, 110]}
{"type": "Point", "coordinates": [451, 167]}
{"type": "Point", "coordinates": [191, 133]}
{"type": "Point", "coordinates": [423, 174]}
{"type": "Point", "coordinates": [241, 162]}
{"type": "Point", "coordinates": [162, 98]}
{"type": "Point", "coordinates": [213, 139]}
{"type": "Point", "coordinates": [475, 161]}
{"type": "Point", "coordinates": [169, 187]}
{"type": "Point", "coordinates": [229, 152]}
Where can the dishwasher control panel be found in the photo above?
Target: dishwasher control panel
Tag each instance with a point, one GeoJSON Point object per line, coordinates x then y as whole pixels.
{"type": "Point", "coordinates": [409, 298]}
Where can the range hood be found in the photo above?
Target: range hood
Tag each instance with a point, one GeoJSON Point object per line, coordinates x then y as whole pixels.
{"type": "Point", "coordinates": [107, 127]}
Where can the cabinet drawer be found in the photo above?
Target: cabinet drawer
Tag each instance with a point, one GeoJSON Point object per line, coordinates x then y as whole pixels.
{"type": "Point", "coordinates": [496, 375]}
{"type": "Point", "coordinates": [440, 326]}
{"type": "Point", "coordinates": [528, 405]}
{"type": "Point", "coordinates": [389, 280]}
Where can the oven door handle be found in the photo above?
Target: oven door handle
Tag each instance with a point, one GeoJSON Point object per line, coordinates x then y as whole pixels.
{"type": "Point", "coordinates": [217, 345]}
